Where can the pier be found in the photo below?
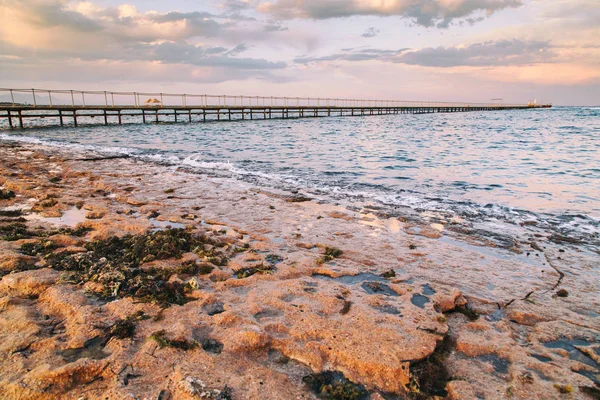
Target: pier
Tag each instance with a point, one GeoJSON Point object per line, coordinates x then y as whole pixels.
{"type": "Point", "coordinates": [22, 108]}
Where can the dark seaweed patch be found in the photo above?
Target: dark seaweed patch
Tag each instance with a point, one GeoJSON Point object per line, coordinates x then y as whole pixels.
{"type": "Point", "coordinates": [39, 248]}
{"type": "Point", "coordinates": [467, 311]}
{"type": "Point", "coordinates": [6, 194]}
{"type": "Point", "coordinates": [429, 376]}
{"type": "Point", "coordinates": [163, 341]}
{"type": "Point", "coordinates": [332, 385]}
{"type": "Point", "coordinates": [15, 231]}
{"type": "Point", "coordinates": [212, 346]}
{"type": "Point", "coordinates": [378, 288]}
{"type": "Point", "coordinates": [389, 274]}
{"type": "Point", "coordinates": [116, 264]}
{"type": "Point", "coordinates": [329, 254]}
{"type": "Point", "coordinates": [249, 271]}
{"type": "Point", "coordinates": [11, 213]}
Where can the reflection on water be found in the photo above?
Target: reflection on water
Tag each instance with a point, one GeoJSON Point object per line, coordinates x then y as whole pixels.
{"type": "Point", "coordinates": [70, 218]}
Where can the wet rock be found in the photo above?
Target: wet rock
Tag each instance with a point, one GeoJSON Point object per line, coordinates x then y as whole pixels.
{"type": "Point", "coordinates": [97, 214]}
{"type": "Point", "coordinates": [17, 262]}
{"type": "Point", "coordinates": [214, 308]}
{"type": "Point", "coordinates": [136, 202]}
{"type": "Point", "coordinates": [28, 283]}
{"type": "Point", "coordinates": [448, 301]}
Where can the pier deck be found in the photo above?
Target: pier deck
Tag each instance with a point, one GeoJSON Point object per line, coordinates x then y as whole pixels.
{"type": "Point", "coordinates": [67, 107]}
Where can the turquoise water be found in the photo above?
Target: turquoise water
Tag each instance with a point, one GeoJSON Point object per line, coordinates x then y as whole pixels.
{"type": "Point", "coordinates": [528, 165]}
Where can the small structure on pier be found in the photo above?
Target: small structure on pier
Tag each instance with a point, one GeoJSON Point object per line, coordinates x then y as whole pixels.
{"type": "Point", "coordinates": [153, 102]}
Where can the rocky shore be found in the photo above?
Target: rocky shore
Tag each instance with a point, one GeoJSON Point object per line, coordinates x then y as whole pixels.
{"type": "Point", "coordinates": [128, 280]}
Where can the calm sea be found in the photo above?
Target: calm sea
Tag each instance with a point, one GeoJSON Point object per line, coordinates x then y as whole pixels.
{"type": "Point", "coordinates": [510, 166]}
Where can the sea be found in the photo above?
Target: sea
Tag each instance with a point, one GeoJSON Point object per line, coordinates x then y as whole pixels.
{"type": "Point", "coordinates": [536, 169]}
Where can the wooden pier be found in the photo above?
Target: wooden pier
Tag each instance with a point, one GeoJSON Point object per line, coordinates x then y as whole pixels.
{"type": "Point", "coordinates": [73, 108]}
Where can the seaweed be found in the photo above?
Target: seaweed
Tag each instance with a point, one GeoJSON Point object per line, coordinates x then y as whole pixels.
{"type": "Point", "coordinates": [40, 248]}
{"type": "Point", "coordinates": [6, 194]}
{"type": "Point", "coordinates": [332, 385]}
{"type": "Point", "coordinates": [249, 271]}
{"type": "Point", "coordinates": [116, 263]}
{"type": "Point", "coordinates": [389, 274]}
{"type": "Point", "coordinates": [11, 213]}
{"type": "Point", "coordinates": [429, 376]}
{"type": "Point", "coordinates": [467, 311]}
{"type": "Point", "coordinates": [329, 254]}
{"type": "Point", "coordinates": [125, 328]}
{"type": "Point", "coordinates": [15, 231]}
{"type": "Point", "coordinates": [163, 341]}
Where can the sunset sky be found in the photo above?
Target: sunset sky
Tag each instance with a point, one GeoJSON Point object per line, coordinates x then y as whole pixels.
{"type": "Point", "coordinates": [462, 50]}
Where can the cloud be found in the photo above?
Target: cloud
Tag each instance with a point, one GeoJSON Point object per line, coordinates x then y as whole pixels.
{"type": "Point", "coordinates": [492, 53]}
{"type": "Point", "coordinates": [41, 31]}
{"type": "Point", "coordinates": [440, 13]}
{"type": "Point", "coordinates": [371, 32]}
{"type": "Point", "coordinates": [275, 28]}
{"type": "Point", "coordinates": [353, 54]}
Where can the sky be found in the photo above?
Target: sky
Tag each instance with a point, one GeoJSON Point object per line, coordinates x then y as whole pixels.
{"type": "Point", "coordinates": [442, 50]}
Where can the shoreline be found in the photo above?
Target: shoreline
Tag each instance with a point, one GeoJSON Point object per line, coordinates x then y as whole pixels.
{"type": "Point", "coordinates": [289, 305]}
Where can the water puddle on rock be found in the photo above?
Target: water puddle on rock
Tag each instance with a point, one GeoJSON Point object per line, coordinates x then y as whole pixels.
{"type": "Point", "coordinates": [91, 349]}
{"type": "Point", "coordinates": [419, 300]}
{"type": "Point", "coordinates": [500, 364]}
{"type": "Point", "coordinates": [570, 345]}
{"type": "Point", "coordinates": [428, 290]}
{"type": "Point", "coordinates": [70, 218]}
{"type": "Point", "coordinates": [492, 253]}
{"type": "Point", "coordinates": [388, 309]}
{"type": "Point", "coordinates": [353, 279]}
{"type": "Point", "coordinates": [160, 225]}
{"type": "Point", "coordinates": [541, 358]}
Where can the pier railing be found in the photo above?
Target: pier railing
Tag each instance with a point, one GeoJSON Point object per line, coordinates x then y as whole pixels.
{"type": "Point", "coordinates": [44, 98]}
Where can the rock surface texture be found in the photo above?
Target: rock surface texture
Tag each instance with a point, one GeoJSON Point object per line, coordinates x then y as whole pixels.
{"type": "Point", "coordinates": [128, 280]}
